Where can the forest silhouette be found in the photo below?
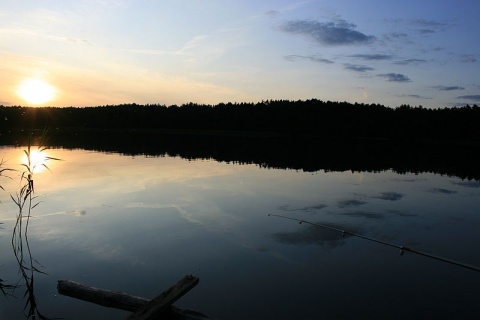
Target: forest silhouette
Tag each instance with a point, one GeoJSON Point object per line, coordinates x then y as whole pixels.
{"type": "Point", "coordinates": [309, 135]}
{"type": "Point", "coordinates": [303, 117]}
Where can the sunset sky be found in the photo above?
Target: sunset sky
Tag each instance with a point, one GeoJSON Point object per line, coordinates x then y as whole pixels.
{"type": "Point", "coordinates": [91, 53]}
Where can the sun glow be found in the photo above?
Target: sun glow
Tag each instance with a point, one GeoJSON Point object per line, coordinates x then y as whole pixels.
{"type": "Point", "coordinates": [36, 91]}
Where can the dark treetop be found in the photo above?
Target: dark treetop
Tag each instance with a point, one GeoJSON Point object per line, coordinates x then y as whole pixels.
{"type": "Point", "coordinates": [309, 117]}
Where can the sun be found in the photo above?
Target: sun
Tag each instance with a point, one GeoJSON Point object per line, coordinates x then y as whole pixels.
{"type": "Point", "coordinates": [36, 91]}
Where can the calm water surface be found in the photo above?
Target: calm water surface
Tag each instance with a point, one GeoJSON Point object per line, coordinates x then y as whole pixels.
{"type": "Point", "coordinates": [138, 225]}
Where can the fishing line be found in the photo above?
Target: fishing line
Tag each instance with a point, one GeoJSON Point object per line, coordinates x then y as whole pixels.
{"type": "Point", "coordinates": [402, 249]}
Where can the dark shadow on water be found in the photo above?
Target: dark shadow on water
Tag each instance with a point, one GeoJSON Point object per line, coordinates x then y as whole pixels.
{"type": "Point", "coordinates": [468, 184]}
{"type": "Point", "coordinates": [350, 203]}
{"type": "Point", "coordinates": [311, 235]}
{"type": "Point", "coordinates": [313, 208]}
{"type": "Point", "coordinates": [363, 214]}
{"type": "Point", "coordinates": [275, 151]}
{"type": "Point", "coordinates": [442, 191]}
{"type": "Point", "coordinates": [390, 196]}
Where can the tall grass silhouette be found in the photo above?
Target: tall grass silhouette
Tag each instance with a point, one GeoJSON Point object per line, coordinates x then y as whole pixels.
{"type": "Point", "coordinates": [25, 200]}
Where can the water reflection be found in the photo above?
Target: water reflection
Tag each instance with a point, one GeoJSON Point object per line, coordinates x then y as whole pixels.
{"type": "Point", "coordinates": [137, 224]}
{"type": "Point", "coordinates": [309, 154]}
{"type": "Point", "coordinates": [391, 196]}
{"type": "Point", "coordinates": [313, 235]}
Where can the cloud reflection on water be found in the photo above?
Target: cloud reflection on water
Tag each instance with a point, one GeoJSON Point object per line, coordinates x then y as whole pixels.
{"type": "Point", "coordinates": [390, 196]}
{"type": "Point", "coordinates": [350, 203]}
{"type": "Point", "coordinates": [312, 235]}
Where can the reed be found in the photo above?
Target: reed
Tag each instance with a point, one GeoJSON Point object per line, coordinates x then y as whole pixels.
{"type": "Point", "coordinates": [25, 200]}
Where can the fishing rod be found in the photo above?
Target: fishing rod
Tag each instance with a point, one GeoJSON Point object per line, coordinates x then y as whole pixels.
{"type": "Point", "coordinates": [402, 249]}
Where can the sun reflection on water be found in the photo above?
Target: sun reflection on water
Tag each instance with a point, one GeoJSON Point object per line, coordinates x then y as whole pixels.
{"type": "Point", "coordinates": [36, 160]}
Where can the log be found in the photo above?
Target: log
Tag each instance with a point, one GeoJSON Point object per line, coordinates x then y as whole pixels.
{"type": "Point", "coordinates": [156, 307]}
{"type": "Point", "coordinates": [127, 302]}
{"type": "Point", "coordinates": [103, 297]}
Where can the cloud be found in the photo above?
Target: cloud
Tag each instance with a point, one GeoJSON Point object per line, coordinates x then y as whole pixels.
{"type": "Point", "coordinates": [450, 88]}
{"type": "Point", "coordinates": [425, 31]}
{"type": "Point", "coordinates": [475, 97]}
{"type": "Point", "coordinates": [334, 33]}
{"type": "Point", "coordinates": [468, 58]}
{"type": "Point", "coordinates": [410, 61]}
{"type": "Point", "coordinates": [396, 36]}
{"type": "Point", "coordinates": [313, 58]}
{"type": "Point", "coordinates": [272, 13]}
{"type": "Point", "coordinates": [429, 26]}
{"type": "Point", "coordinates": [429, 23]}
{"type": "Point", "coordinates": [395, 77]}
{"type": "Point", "coordinates": [371, 57]}
{"type": "Point", "coordinates": [357, 68]}
{"type": "Point", "coordinates": [416, 96]}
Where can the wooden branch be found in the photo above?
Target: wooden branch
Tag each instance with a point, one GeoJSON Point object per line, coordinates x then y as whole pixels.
{"type": "Point", "coordinates": [103, 297]}
{"type": "Point", "coordinates": [127, 302]}
{"type": "Point", "coordinates": [155, 308]}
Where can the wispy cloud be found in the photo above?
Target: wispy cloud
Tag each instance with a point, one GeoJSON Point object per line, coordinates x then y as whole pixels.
{"type": "Point", "coordinates": [313, 58]}
{"type": "Point", "coordinates": [468, 58]}
{"type": "Point", "coordinates": [272, 13]}
{"type": "Point", "coordinates": [449, 88]}
{"type": "Point", "coordinates": [25, 32]}
{"type": "Point", "coordinates": [334, 33]}
{"type": "Point", "coordinates": [410, 62]}
{"type": "Point", "coordinates": [425, 31]}
{"type": "Point", "coordinates": [396, 36]}
{"type": "Point", "coordinates": [416, 96]}
{"type": "Point", "coordinates": [475, 97]}
{"type": "Point", "coordinates": [151, 52]}
{"type": "Point", "coordinates": [429, 23]}
{"type": "Point", "coordinates": [395, 77]}
{"type": "Point", "coordinates": [370, 57]}
{"type": "Point", "coordinates": [357, 68]}
{"type": "Point", "coordinates": [428, 26]}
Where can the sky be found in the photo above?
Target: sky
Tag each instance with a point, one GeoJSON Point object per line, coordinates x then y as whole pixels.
{"type": "Point", "coordinates": [93, 53]}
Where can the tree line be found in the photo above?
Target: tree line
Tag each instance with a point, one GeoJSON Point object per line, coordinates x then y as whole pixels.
{"type": "Point", "coordinates": [304, 117]}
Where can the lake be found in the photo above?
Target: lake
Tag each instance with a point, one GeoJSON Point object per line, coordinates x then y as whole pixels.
{"type": "Point", "coordinates": [138, 223]}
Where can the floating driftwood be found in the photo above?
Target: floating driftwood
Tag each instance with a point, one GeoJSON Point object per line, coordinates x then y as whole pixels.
{"type": "Point", "coordinates": [143, 309]}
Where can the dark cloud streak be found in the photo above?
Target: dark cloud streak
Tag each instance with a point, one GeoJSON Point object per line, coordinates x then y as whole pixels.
{"type": "Point", "coordinates": [449, 88]}
{"type": "Point", "coordinates": [334, 33]}
{"type": "Point", "coordinates": [470, 97]}
{"type": "Point", "coordinates": [395, 77]}
{"type": "Point", "coordinates": [371, 57]}
{"type": "Point", "coordinates": [410, 62]}
{"type": "Point", "coordinates": [429, 23]}
{"type": "Point", "coordinates": [357, 68]}
{"type": "Point", "coordinates": [313, 58]}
